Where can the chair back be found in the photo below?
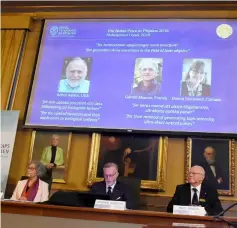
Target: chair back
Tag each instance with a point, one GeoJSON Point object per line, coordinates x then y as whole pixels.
{"type": "Point", "coordinates": [134, 185]}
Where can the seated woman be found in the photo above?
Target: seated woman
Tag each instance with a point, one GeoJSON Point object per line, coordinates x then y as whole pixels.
{"type": "Point", "coordinates": [32, 189]}
{"type": "Point", "coordinates": [195, 81]}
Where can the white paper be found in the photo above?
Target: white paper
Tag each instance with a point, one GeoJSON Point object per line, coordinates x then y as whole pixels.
{"type": "Point", "coordinates": [110, 205]}
{"type": "Point", "coordinates": [189, 210]}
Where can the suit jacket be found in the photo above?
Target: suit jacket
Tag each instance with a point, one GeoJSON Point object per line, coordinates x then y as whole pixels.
{"type": "Point", "coordinates": [152, 90]}
{"type": "Point", "coordinates": [47, 154]}
{"type": "Point", "coordinates": [208, 198]}
{"type": "Point", "coordinates": [41, 195]}
{"type": "Point", "coordinates": [120, 190]}
{"type": "Point", "coordinates": [209, 176]}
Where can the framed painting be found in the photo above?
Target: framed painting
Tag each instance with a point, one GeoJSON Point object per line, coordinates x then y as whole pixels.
{"type": "Point", "coordinates": [143, 157]}
{"type": "Point", "coordinates": [52, 149]}
{"type": "Point", "coordinates": [217, 157]}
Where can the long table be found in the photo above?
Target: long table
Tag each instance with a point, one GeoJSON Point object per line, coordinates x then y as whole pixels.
{"type": "Point", "coordinates": [24, 214]}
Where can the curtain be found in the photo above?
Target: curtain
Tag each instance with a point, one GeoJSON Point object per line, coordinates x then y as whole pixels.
{"type": "Point", "coordinates": [11, 43]}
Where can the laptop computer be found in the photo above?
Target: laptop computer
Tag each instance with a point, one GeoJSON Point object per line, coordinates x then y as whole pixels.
{"type": "Point", "coordinates": [75, 199]}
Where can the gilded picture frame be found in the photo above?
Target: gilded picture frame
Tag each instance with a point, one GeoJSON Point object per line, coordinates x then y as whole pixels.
{"type": "Point", "coordinates": [40, 144]}
{"type": "Point", "coordinates": [220, 168]}
{"type": "Point", "coordinates": [160, 170]}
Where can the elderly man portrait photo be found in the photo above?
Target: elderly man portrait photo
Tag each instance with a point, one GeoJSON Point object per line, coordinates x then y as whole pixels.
{"type": "Point", "coordinates": [214, 156]}
{"type": "Point", "coordinates": [147, 77]}
{"type": "Point", "coordinates": [75, 76]}
{"type": "Point", "coordinates": [214, 174]}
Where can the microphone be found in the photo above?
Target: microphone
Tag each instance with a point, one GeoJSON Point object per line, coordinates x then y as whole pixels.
{"type": "Point", "coordinates": [234, 224]}
{"type": "Point", "coordinates": [224, 211]}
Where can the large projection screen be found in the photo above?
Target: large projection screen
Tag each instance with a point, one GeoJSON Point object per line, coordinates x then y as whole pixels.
{"type": "Point", "coordinates": [136, 75]}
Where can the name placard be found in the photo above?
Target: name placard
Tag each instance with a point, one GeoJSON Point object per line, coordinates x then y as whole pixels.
{"type": "Point", "coordinates": [189, 225]}
{"type": "Point", "coordinates": [189, 210]}
{"type": "Point", "coordinates": [110, 205]}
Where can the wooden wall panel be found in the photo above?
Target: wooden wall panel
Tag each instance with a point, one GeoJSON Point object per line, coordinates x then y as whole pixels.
{"type": "Point", "coordinates": [23, 137]}
{"type": "Point", "coordinates": [16, 22]}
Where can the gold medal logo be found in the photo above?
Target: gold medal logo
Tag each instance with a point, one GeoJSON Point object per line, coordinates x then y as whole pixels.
{"type": "Point", "coordinates": [224, 31]}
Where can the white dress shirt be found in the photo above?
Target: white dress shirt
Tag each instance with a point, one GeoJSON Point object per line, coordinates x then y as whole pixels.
{"type": "Point", "coordinates": [198, 191]}
{"type": "Point", "coordinates": [83, 87]}
{"type": "Point", "coordinates": [112, 187]}
{"type": "Point", "coordinates": [213, 169]}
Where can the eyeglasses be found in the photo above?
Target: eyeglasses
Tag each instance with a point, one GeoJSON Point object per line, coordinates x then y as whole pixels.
{"type": "Point", "coordinates": [197, 72]}
{"type": "Point", "coordinates": [31, 168]}
{"type": "Point", "coordinates": [147, 69]}
{"type": "Point", "coordinates": [192, 173]}
{"type": "Point", "coordinates": [110, 175]}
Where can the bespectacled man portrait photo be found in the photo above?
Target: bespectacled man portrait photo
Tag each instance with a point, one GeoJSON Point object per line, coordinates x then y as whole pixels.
{"type": "Point", "coordinates": [75, 77]}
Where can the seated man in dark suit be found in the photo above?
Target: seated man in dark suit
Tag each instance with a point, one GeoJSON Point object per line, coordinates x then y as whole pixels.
{"type": "Point", "coordinates": [196, 193]}
{"type": "Point", "coordinates": [110, 185]}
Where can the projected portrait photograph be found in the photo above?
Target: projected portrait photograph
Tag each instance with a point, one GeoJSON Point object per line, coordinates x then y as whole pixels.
{"type": "Point", "coordinates": [142, 157]}
{"type": "Point", "coordinates": [196, 78]}
{"type": "Point", "coordinates": [75, 76]}
{"type": "Point", "coordinates": [52, 150]}
{"type": "Point", "coordinates": [217, 157]}
{"type": "Point", "coordinates": [147, 77]}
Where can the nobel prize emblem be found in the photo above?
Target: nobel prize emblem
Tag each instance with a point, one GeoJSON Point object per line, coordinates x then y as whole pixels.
{"type": "Point", "coordinates": [224, 31]}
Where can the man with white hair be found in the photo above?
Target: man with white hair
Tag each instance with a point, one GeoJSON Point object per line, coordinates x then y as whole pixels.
{"type": "Point", "coordinates": [148, 86]}
{"type": "Point", "coordinates": [75, 82]}
{"type": "Point", "coordinates": [214, 174]}
{"type": "Point", "coordinates": [195, 192]}
{"type": "Point", "coordinates": [116, 190]}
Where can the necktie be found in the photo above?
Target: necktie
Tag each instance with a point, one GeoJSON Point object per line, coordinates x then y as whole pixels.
{"type": "Point", "coordinates": [109, 192]}
{"type": "Point", "coordinates": [195, 197]}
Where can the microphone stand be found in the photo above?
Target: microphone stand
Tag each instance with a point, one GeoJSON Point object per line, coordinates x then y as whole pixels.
{"type": "Point", "coordinates": [224, 211]}
{"type": "Point", "coordinates": [218, 217]}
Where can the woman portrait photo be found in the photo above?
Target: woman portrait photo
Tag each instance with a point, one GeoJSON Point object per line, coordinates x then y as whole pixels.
{"type": "Point", "coordinates": [53, 155]}
{"type": "Point", "coordinates": [75, 77]}
{"type": "Point", "coordinates": [196, 80]}
{"type": "Point", "coordinates": [32, 189]}
{"type": "Point", "coordinates": [52, 150]}
{"type": "Point", "coordinates": [147, 77]}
